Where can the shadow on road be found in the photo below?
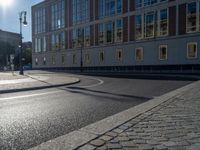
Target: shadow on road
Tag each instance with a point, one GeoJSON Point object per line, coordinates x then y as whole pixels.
{"type": "Point", "coordinates": [103, 94]}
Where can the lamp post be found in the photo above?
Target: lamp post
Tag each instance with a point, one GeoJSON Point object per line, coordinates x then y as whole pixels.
{"type": "Point", "coordinates": [82, 44]}
{"type": "Point", "coordinates": [21, 14]}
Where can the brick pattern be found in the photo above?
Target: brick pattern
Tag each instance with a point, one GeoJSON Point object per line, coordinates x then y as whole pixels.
{"type": "Point", "coordinates": [125, 29]}
{"type": "Point", "coordinates": [92, 35]}
{"type": "Point", "coordinates": [173, 125]}
{"type": "Point", "coordinates": [96, 34]}
{"type": "Point", "coordinates": [91, 10]}
{"type": "Point", "coordinates": [96, 9]}
{"type": "Point", "coordinates": [70, 12]}
{"type": "Point", "coordinates": [132, 5]}
{"type": "Point", "coordinates": [125, 6]}
{"type": "Point", "coordinates": [172, 21]}
{"type": "Point", "coordinates": [132, 28]}
{"type": "Point", "coordinates": [182, 19]}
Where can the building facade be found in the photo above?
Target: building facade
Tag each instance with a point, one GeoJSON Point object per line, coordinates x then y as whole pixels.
{"type": "Point", "coordinates": [117, 35]}
{"type": "Point", "coordinates": [13, 40]}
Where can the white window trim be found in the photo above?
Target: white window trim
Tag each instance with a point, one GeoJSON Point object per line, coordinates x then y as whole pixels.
{"type": "Point", "coordinates": [159, 21]}
{"type": "Point", "coordinates": [145, 33]}
{"type": "Point", "coordinates": [116, 55]}
{"type": "Point", "coordinates": [196, 53]}
{"type": "Point", "coordinates": [166, 46]}
{"type": "Point", "coordinates": [87, 59]}
{"type": "Point", "coordinates": [197, 16]}
{"type": "Point", "coordinates": [101, 61]}
{"type": "Point", "coordinates": [142, 50]}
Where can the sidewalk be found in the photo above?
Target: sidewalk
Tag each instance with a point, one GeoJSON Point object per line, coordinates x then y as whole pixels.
{"type": "Point", "coordinates": [169, 122]}
{"type": "Point", "coordinates": [14, 82]}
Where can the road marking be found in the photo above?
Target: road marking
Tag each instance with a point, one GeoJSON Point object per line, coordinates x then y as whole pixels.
{"type": "Point", "coordinates": [32, 95]}
{"type": "Point", "coordinates": [92, 85]}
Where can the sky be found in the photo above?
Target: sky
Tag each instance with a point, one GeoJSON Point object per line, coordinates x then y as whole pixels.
{"type": "Point", "coordinates": [9, 16]}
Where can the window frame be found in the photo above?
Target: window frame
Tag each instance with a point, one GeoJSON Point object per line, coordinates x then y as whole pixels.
{"type": "Point", "coordinates": [117, 55]}
{"type": "Point", "coordinates": [101, 60]}
{"type": "Point", "coordinates": [165, 46]}
{"type": "Point", "coordinates": [196, 52]}
{"type": "Point", "coordinates": [197, 15]}
{"type": "Point", "coordinates": [142, 52]}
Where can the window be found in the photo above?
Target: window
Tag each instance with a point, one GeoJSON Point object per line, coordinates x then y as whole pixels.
{"type": "Point", "coordinates": [139, 54]}
{"type": "Point", "coordinates": [63, 59]}
{"type": "Point", "coordinates": [138, 3]}
{"type": "Point", "coordinates": [191, 20]}
{"type": "Point", "coordinates": [138, 27]}
{"type": "Point", "coordinates": [163, 52]}
{"type": "Point", "coordinates": [101, 56]}
{"type": "Point", "coordinates": [119, 55]}
{"type": "Point", "coordinates": [87, 36]}
{"type": "Point", "coordinates": [101, 33]}
{"type": "Point", "coordinates": [109, 7]}
{"type": "Point", "coordinates": [192, 50]}
{"type": "Point", "coordinates": [53, 60]}
{"type": "Point", "coordinates": [87, 58]}
{"type": "Point", "coordinates": [118, 32]}
{"type": "Point", "coordinates": [74, 38]}
{"type": "Point", "coordinates": [74, 59]}
{"type": "Point", "coordinates": [44, 61]}
{"type": "Point", "coordinates": [58, 41]}
{"type": "Point", "coordinates": [80, 13]}
{"type": "Point", "coordinates": [40, 21]}
{"type": "Point", "coordinates": [36, 61]}
{"type": "Point", "coordinates": [149, 2]}
{"type": "Point", "coordinates": [163, 22]}
{"type": "Point", "coordinates": [109, 32]}
{"type": "Point", "coordinates": [58, 15]}
{"type": "Point", "coordinates": [40, 44]}
{"type": "Point", "coordinates": [149, 24]}
{"type": "Point", "coordinates": [80, 36]}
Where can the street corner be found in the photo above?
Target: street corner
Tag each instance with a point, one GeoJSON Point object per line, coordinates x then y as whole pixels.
{"type": "Point", "coordinates": [54, 79]}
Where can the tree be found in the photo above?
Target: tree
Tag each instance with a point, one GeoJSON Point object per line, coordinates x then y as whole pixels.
{"type": "Point", "coordinates": [27, 54]}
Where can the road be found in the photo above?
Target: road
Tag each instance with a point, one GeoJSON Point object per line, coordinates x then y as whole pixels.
{"type": "Point", "coordinates": [32, 117]}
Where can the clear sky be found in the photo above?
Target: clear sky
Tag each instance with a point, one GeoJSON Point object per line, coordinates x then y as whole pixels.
{"type": "Point", "coordinates": [9, 16]}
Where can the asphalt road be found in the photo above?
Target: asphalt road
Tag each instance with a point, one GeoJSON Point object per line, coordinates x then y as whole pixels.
{"type": "Point", "coordinates": [30, 118]}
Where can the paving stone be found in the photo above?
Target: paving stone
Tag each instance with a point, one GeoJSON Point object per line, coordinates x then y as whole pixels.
{"type": "Point", "coordinates": [112, 134]}
{"type": "Point", "coordinates": [194, 147]}
{"type": "Point", "coordinates": [106, 138]}
{"type": "Point", "coordinates": [87, 147]}
{"type": "Point", "coordinates": [114, 146]}
{"type": "Point", "coordinates": [140, 141]}
{"type": "Point", "coordinates": [104, 147]}
{"type": "Point", "coordinates": [169, 143]}
{"type": "Point", "coordinates": [129, 144]}
{"type": "Point", "coordinates": [123, 138]}
{"type": "Point", "coordinates": [145, 147]}
{"type": "Point", "coordinates": [123, 127]}
{"type": "Point", "coordinates": [118, 130]}
{"type": "Point", "coordinates": [160, 147]}
{"type": "Point", "coordinates": [97, 142]}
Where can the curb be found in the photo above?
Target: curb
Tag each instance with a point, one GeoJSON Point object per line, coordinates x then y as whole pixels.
{"type": "Point", "coordinates": [38, 87]}
{"type": "Point", "coordinates": [78, 138]}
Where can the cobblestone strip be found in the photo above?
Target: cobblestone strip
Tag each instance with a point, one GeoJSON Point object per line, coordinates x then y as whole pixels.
{"type": "Point", "coordinates": [173, 125]}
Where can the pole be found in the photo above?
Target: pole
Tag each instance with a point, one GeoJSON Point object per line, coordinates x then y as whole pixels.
{"type": "Point", "coordinates": [82, 40]}
{"type": "Point", "coordinates": [20, 54]}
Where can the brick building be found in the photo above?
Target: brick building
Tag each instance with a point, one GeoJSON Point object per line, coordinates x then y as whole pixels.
{"type": "Point", "coordinates": [127, 35]}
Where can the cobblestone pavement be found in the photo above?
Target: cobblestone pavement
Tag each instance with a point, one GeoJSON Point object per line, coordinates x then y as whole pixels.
{"type": "Point", "coordinates": [173, 125]}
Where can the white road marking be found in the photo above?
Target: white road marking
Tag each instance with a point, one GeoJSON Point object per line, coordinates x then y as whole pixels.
{"type": "Point", "coordinates": [31, 95]}
{"type": "Point", "coordinates": [92, 85]}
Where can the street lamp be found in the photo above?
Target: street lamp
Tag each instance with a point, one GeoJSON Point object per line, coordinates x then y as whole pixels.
{"type": "Point", "coordinates": [82, 45]}
{"type": "Point", "coordinates": [21, 14]}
